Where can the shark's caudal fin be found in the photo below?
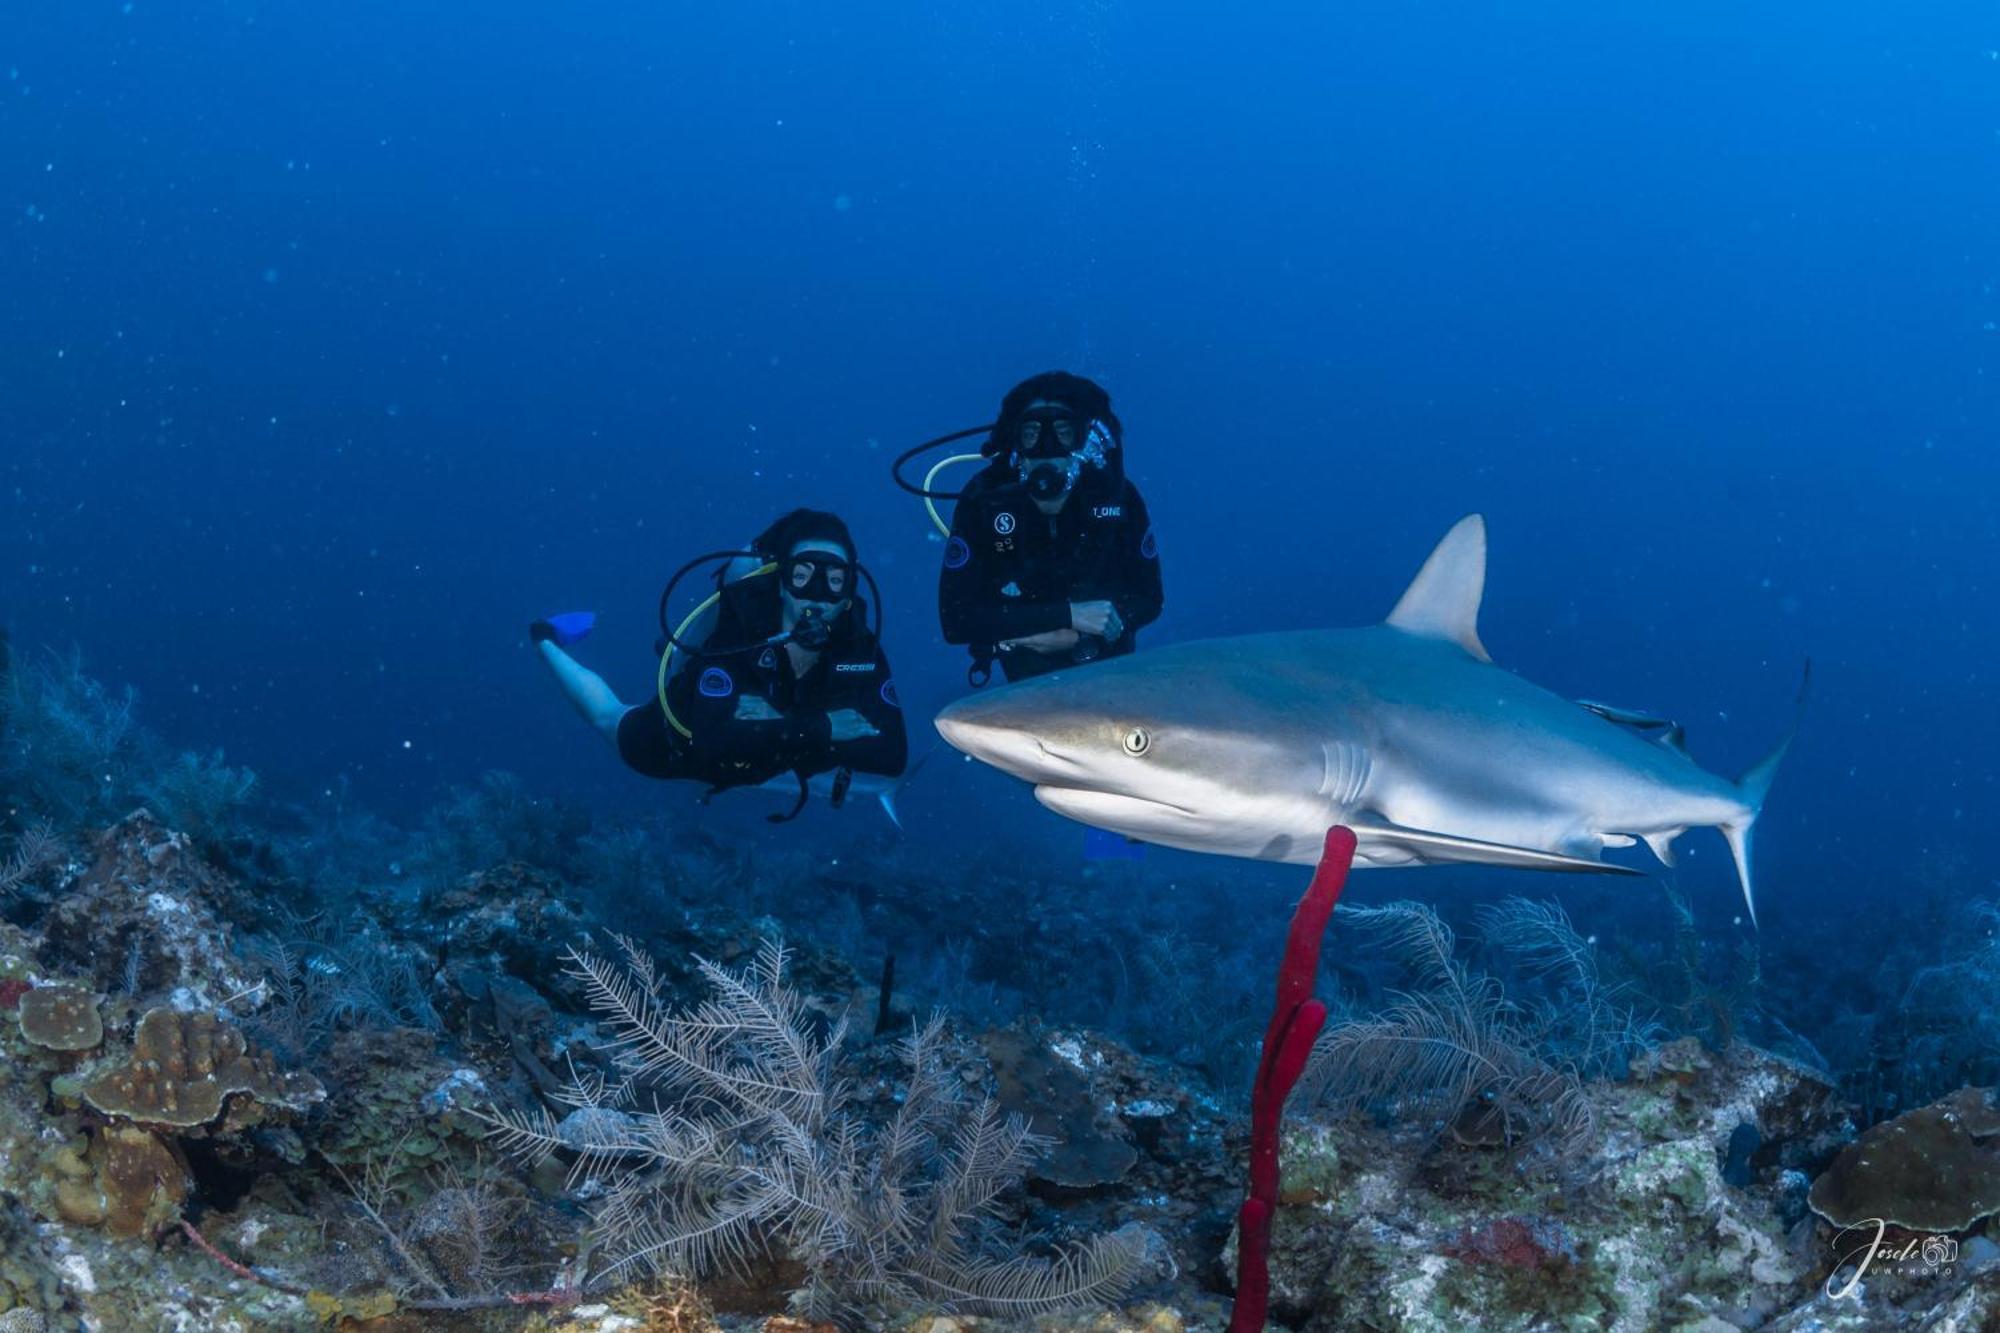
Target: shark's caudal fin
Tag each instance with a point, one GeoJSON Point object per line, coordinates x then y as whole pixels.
{"type": "Point", "coordinates": [1442, 602]}
{"type": "Point", "coordinates": [1752, 787]}
{"type": "Point", "coordinates": [889, 794]}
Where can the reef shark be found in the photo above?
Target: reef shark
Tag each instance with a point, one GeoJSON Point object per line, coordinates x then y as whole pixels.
{"type": "Point", "coordinates": [1404, 731]}
{"type": "Point", "coordinates": [885, 792]}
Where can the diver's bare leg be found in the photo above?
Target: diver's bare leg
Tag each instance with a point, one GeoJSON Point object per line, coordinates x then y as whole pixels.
{"type": "Point", "coordinates": [585, 690]}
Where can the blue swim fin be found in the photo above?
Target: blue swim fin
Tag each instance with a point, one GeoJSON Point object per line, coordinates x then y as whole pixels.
{"type": "Point", "coordinates": [569, 627]}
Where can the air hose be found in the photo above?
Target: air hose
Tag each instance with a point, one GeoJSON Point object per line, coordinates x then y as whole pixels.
{"type": "Point", "coordinates": [930, 496]}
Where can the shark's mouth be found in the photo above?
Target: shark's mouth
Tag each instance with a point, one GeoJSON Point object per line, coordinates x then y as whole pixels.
{"type": "Point", "coordinates": [1134, 816]}
{"type": "Point", "coordinates": [1168, 825]}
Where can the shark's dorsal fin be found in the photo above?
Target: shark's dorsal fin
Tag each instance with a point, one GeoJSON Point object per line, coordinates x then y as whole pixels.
{"type": "Point", "coordinates": [1442, 602]}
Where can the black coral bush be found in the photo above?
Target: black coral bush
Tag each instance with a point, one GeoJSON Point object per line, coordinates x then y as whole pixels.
{"type": "Point", "coordinates": [1455, 1044]}
{"type": "Point", "coordinates": [731, 1129]}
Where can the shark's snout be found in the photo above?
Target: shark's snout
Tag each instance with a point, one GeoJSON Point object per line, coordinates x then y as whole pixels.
{"type": "Point", "coordinates": [994, 735]}
{"type": "Point", "coordinates": [966, 734]}
{"type": "Point", "coordinates": [987, 740]}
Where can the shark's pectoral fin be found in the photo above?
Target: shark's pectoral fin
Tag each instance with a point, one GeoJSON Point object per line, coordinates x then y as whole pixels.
{"type": "Point", "coordinates": [1425, 845]}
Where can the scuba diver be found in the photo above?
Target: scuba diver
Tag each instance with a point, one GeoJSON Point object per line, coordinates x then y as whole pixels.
{"type": "Point", "coordinates": [1050, 560]}
{"type": "Point", "coordinates": [779, 672]}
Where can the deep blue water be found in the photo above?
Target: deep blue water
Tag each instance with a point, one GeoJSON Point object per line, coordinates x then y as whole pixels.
{"type": "Point", "coordinates": [338, 342]}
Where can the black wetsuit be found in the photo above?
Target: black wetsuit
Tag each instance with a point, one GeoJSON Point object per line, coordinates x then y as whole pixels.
{"type": "Point", "coordinates": [1011, 571]}
{"type": "Point", "coordinates": [728, 751]}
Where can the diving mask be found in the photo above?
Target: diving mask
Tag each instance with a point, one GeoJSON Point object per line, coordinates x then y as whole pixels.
{"type": "Point", "coordinates": [818, 576]}
{"type": "Point", "coordinates": [819, 582]}
{"type": "Point", "coordinates": [1054, 446]}
{"type": "Point", "coordinates": [1049, 432]}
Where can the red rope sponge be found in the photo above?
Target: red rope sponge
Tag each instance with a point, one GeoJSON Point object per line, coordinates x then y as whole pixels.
{"type": "Point", "coordinates": [1295, 1023]}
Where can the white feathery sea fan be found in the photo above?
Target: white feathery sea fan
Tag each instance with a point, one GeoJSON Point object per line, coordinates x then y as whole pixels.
{"type": "Point", "coordinates": [34, 847]}
{"type": "Point", "coordinates": [730, 1130]}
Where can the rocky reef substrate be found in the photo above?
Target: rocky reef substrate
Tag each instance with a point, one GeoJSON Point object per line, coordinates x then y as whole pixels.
{"type": "Point", "coordinates": [214, 1117]}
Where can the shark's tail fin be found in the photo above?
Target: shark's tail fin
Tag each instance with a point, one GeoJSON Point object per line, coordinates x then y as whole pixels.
{"type": "Point", "coordinates": [1753, 786]}
{"type": "Point", "coordinates": [890, 794]}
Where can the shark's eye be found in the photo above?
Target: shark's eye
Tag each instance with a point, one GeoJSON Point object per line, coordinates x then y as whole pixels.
{"type": "Point", "coordinates": [1137, 742]}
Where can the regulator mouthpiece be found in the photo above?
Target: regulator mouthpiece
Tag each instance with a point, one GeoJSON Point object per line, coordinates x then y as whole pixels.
{"type": "Point", "coordinates": [812, 629]}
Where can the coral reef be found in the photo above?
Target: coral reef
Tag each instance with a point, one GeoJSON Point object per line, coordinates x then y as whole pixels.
{"type": "Point", "coordinates": [35, 848]}
{"type": "Point", "coordinates": [59, 1018]}
{"type": "Point", "coordinates": [186, 1070]}
{"type": "Point", "coordinates": [1515, 1242]}
{"type": "Point", "coordinates": [252, 1055]}
{"type": "Point", "coordinates": [199, 794]}
{"type": "Point", "coordinates": [136, 1183]}
{"type": "Point", "coordinates": [1936, 1168]}
{"type": "Point", "coordinates": [1438, 1235]}
{"type": "Point", "coordinates": [1043, 1083]}
{"type": "Point", "coordinates": [1456, 1043]}
{"type": "Point", "coordinates": [149, 915]}
{"type": "Point", "coordinates": [752, 1140]}
{"type": "Point", "coordinates": [67, 753]}
{"type": "Point", "coordinates": [1936, 1035]}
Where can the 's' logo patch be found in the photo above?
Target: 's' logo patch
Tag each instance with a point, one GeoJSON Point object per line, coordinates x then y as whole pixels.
{"type": "Point", "coordinates": [889, 695]}
{"type": "Point", "coordinates": [767, 659]}
{"type": "Point", "coordinates": [956, 553]}
{"type": "Point", "coordinates": [1149, 546]}
{"type": "Point", "coordinates": [716, 683]}
{"type": "Point", "coordinates": [1003, 523]}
